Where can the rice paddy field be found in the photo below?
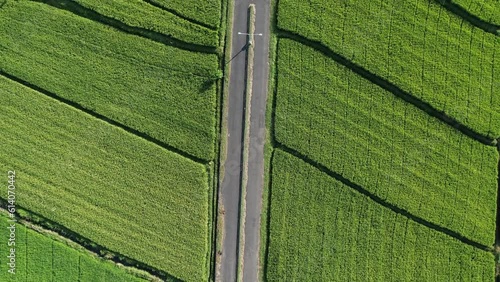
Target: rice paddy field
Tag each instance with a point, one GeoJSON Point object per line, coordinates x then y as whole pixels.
{"type": "Point", "coordinates": [41, 258]}
{"type": "Point", "coordinates": [372, 176]}
{"type": "Point", "coordinates": [397, 152]}
{"type": "Point", "coordinates": [419, 46]}
{"type": "Point", "coordinates": [384, 121]}
{"type": "Point", "coordinates": [486, 10]}
{"type": "Point", "coordinates": [139, 13]}
{"type": "Point", "coordinates": [159, 90]}
{"type": "Point", "coordinates": [110, 120]}
{"type": "Point", "coordinates": [323, 230]}
{"type": "Point", "coordinates": [207, 12]}
{"type": "Point", "coordinates": [116, 189]}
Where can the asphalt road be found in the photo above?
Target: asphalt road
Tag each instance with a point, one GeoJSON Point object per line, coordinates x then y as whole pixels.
{"type": "Point", "coordinates": [231, 185]}
{"type": "Point", "coordinates": [257, 141]}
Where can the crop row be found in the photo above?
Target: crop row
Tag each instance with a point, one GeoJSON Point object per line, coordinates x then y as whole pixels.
{"type": "Point", "coordinates": [487, 10]}
{"type": "Point", "coordinates": [113, 188]}
{"type": "Point", "coordinates": [207, 11]}
{"type": "Point", "coordinates": [322, 230]}
{"type": "Point", "coordinates": [138, 13]}
{"type": "Point", "coordinates": [417, 45]}
{"type": "Point", "coordinates": [393, 150]}
{"type": "Point", "coordinates": [164, 92]}
{"type": "Point", "coordinates": [40, 258]}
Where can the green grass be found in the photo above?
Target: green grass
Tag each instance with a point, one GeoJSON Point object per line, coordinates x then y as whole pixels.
{"type": "Point", "coordinates": [40, 258]}
{"type": "Point", "coordinates": [113, 188]}
{"type": "Point", "coordinates": [138, 13]}
{"type": "Point", "coordinates": [387, 146]}
{"type": "Point", "coordinates": [487, 10]}
{"type": "Point", "coordinates": [206, 11]}
{"type": "Point", "coordinates": [322, 230]}
{"type": "Point", "coordinates": [164, 92]}
{"type": "Point", "coordinates": [417, 45]}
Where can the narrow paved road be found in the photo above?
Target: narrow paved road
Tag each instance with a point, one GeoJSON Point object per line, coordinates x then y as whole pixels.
{"type": "Point", "coordinates": [257, 141]}
{"type": "Point", "coordinates": [231, 185]}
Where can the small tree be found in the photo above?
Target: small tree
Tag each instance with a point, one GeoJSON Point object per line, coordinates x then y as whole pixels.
{"type": "Point", "coordinates": [217, 75]}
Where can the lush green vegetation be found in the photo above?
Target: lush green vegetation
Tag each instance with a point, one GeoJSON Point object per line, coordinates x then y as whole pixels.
{"type": "Point", "coordinates": [164, 92]}
{"type": "Point", "coordinates": [322, 230]}
{"type": "Point", "coordinates": [40, 258]}
{"type": "Point", "coordinates": [118, 190]}
{"type": "Point", "coordinates": [417, 45]}
{"type": "Point", "coordinates": [487, 10]}
{"type": "Point", "coordinates": [206, 11]}
{"type": "Point", "coordinates": [139, 13]}
{"type": "Point", "coordinates": [395, 151]}
{"type": "Point", "coordinates": [363, 185]}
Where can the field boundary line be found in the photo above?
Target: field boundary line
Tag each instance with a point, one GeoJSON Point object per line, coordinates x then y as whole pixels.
{"type": "Point", "coordinates": [497, 231]}
{"type": "Point", "coordinates": [31, 219]}
{"type": "Point", "coordinates": [211, 169]}
{"type": "Point", "coordinates": [381, 201]}
{"type": "Point", "coordinates": [177, 14]}
{"type": "Point", "coordinates": [265, 261]}
{"type": "Point", "coordinates": [106, 119]}
{"type": "Point", "coordinates": [94, 16]}
{"type": "Point", "coordinates": [472, 19]}
{"type": "Point", "coordinates": [388, 86]}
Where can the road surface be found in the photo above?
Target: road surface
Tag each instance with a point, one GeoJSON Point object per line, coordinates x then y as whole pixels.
{"type": "Point", "coordinates": [257, 141]}
{"type": "Point", "coordinates": [231, 185]}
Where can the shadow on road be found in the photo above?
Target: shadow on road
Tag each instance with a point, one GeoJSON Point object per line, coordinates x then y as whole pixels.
{"type": "Point", "coordinates": [244, 48]}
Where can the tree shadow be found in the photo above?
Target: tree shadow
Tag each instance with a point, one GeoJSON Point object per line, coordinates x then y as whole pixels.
{"type": "Point", "coordinates": [205, 86]}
